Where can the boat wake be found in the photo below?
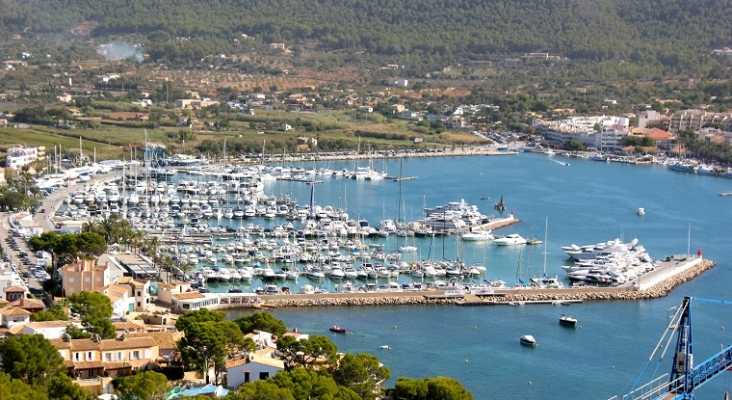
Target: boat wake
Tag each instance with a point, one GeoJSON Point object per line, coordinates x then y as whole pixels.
{"type": "Point", "coordinates": [566, 164]}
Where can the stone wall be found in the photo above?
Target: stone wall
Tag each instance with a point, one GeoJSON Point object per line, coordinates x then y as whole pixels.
{"type": "Point", "coordinates": [583, 294]}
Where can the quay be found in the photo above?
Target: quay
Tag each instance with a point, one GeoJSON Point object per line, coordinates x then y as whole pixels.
{"type": "Point", "coordinates": [401, 178]}
{"type": "Point", "coordinates": [658, 283]}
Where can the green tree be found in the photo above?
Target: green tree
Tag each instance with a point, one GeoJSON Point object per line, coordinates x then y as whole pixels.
{"type": "Point", "coordinates": [430, 388]}
{"type": "Point", "coordinates": [305, 384]}
{"type": "Point", "coordinates": [360, 373]}
{"type": "Point", "coordinates": [31, 358]}
{"type": "Point", "coordinates": [16, 389]}
{"type": "Point", "coordinates": [95, 310]}
{"type": "Point", "coordinates": [194, 317]}
{"type": "Point", "coordinates": [148, 385]}
{"type": "Point", "coordinates": [63, 388]}
{"type": "Point", "coordinates": [56, 312]}
{"type": "Point", "coordinates": [260, 390]}
{"type": "Point", "coordinates": [261, 321]}
{"type": "Point", "coordinates": [202, 345]}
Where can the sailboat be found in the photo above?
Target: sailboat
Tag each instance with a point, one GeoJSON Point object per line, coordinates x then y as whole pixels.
{"type": "Point", "coordinates": [543, 280]}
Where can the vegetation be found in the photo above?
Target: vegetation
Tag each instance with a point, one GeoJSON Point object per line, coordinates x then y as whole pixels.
{"type": "Point", "coordinates": [148, 385]}
{"type": "Point", "coordinates": [261, 321]}
{"type": "Point", "coordinates": [32, 366]}
{"type": "Point", "coordinates": [95, 310]}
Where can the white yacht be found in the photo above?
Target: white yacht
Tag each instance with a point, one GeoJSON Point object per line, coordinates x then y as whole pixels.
{"type": "Point", "coordinates": [510, 240]}
{"type": "Point", "coordinates": [479, 236]}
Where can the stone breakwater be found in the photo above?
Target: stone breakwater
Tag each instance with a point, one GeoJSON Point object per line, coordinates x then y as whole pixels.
{"type": "Point", "coordinates": [502, 296]}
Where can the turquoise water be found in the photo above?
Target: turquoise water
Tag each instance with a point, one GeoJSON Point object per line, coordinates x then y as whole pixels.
{"type": "Point", "coordinates": [585, 203]}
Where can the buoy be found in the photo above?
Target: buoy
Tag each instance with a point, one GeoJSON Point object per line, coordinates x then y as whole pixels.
{"type": "Point", "coordinates": [613, 367]}
{"type": "Point", "coordinates": [529, 383]}
{"type": "Point", "coordinates": [395, 326]}
{"type": "Point", "coordinates": [466, 361]}
{"type": "Point", "coordinates": [722, 328]}
{"type": "Point", "coordinates": [580, 326]}
{"type": "Point", "coordinates": [475, 327]}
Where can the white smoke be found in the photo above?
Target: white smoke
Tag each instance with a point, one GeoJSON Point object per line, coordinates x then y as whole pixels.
{"type": "Point", "coordinates": [120, 51]}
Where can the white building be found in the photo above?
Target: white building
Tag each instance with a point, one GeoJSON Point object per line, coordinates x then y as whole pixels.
{"type": "Point", "coordinates": [610, 140]}
{"type": "Point", "coordinates": [252, 368]}
{"type": "Point", "coordinates": [20, 156]}
{"type": "Point", "coordinates": [48, 329]}
{"type": "Point", "coordinates": [580, 129]}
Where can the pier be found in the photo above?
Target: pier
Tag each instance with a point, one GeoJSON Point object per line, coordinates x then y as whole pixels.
{"type": "Point", "coordinates": [670, 274]}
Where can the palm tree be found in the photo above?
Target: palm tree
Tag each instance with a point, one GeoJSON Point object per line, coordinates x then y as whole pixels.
{"type": "Point", "coordinates": [152, 245]}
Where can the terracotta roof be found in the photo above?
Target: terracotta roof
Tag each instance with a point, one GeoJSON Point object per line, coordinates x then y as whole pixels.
{"type": "Point", "coordinates": [87, 364]}
{"type": "Point", "coordinates": [235, 362]}
{"type": "Point", "coordinates": [16, 330]}
{"type": "Point", "coordinates": [659, 134]}
{"type": "Point", "coordinates": [189, 296]}
{"type": "Point", "coordinates": [83, 345]}
{"type": "Point", "coordinates": [167, 286]}
{"type": "Point", "coordinates": [14, 289]}
{"type": "Point", "coordinates": [116, 365]}
{"type": "Point", "coordinates": [129, 343]}
{"type": "Point", "coordinates": [272, 362]}
{"type": "Point", "coordinates": [120, 326]}
{"type": "Point", "coordinates": [165, 340]}
{"type": "Point", "coordinates": [28, 303]}
{"type": "Point", "coordinates": [47, 324]}
{"type": "Point", "coordinates": [123, 280]}
{"type": "Point", "coordinates": [60, 344]}
{"type": "Point", "coordinates": [15, 311]}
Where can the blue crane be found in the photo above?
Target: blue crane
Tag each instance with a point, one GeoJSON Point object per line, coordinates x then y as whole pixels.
{"type": "Point", "coordinates": [685, 377]}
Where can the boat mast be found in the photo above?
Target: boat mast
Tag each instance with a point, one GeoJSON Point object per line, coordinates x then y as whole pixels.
{"type": "Point", "coordinates": [546, 228]}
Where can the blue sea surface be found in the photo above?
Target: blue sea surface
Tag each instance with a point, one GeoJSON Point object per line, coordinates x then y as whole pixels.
{"type": "Point", "coordinates": [584, 203]}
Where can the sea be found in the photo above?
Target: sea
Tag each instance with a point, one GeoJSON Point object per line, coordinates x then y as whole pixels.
{"type": "Point", "coordinates": [561, 201]}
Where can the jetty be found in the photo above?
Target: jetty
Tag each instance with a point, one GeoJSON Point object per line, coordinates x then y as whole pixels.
{"type": "Point", "coordinates": [671, 273]}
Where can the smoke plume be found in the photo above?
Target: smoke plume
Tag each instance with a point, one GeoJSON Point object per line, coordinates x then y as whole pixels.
{"type": "Point", "coordinates": [120, 51]}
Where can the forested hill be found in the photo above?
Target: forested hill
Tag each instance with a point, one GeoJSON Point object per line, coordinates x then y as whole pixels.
{"type": "Point", "coordinates": [638, 30]}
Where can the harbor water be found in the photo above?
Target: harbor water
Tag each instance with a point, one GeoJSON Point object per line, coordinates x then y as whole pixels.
{"type": "Point", "coordinates": [584, 203]}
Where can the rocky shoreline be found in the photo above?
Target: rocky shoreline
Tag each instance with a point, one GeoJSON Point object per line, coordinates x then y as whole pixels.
{"type": "Point", "coordinates": [504, 296]}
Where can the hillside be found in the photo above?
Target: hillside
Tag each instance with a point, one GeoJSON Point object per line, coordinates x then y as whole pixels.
{"type": "Point", "coordinates": [584, 29]}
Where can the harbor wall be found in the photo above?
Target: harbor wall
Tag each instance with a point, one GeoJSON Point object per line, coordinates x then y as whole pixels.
{"type": "Point", "coordinates": [661, 288]}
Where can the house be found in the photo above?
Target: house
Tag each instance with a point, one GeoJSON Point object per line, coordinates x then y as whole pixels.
{"type": "Point", "coordinates": [167, 344]}
{"type": "Point", "coordinates": [305, 143]}
{"type": "Point", "coordinates": [20, 156]}
{"type": "Point", "coordinates": [366, 109]}
{"type": "Point", "coordinates": [14, 316]}
{"type": "Point", "coordinates": [84, 275]}
{"type": "Point", "coordinates": [142, 117]}
{"type": "Point", "coordinates": [140, 291]}
{"type": "Point", "coordinates": [167, 290]}
{"type": "Point", "coordinates": [454, 122]}
{"type": "Point", "coordinates": [298, 336]}
{"type": "Point", "coordinates": [94, 357]}
{"type": "Point", "coordinates": [31, 305]}
{"type": "Point", "coordinates": [48, 329]}
{"type": "Point", "coordinates": [64, 98]}
{"type": "Point", "coordinates": [13, 293]}
{"type": "Point", "coordinates": [191, 301]}
{"type": "Point", "coordinates": [278, 46]}
{"type": "Point", "coordinates": [8, 279]}
{"type": "Point", "coordinates": [285, 127]}
{"type": "Point", "coordinates": [400, 82]}
{"type": "Point", "coordinates": [251, 368]}
{"type": "Point", "coordinates": [397, 108]}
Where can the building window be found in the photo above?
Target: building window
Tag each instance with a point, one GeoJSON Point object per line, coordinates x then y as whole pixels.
{"type": "Point", "coordinates": [71, 280]}
{"type": "Point", "coordinates": [89, 356]}
{"type": "Point", "coordinates": [246, 377]}
{"type": "Point", "coordinates": [87, 279]}
{"type": "Point", "coordinates": [135, 355]}
{"type": "Point", "coordinates": [107, 356]}
{"type": "Point", "coordinates": [76, 357]}
{"type": "Point", "coordinates": [119, 356]}
{"type": "Point", "coordinates": [139, 293]}
{"type": "Point", "coordinates": [263, 375]}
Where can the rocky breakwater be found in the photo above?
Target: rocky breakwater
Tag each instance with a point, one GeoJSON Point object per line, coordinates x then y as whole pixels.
{"type": "Point", "coordinates": [347, 299]}
{"type": "Point", "coordinates": [631, 292]}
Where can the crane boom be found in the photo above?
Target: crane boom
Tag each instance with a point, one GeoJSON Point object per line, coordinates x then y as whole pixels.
{"type": "Point", "coordinates": [684, 377]}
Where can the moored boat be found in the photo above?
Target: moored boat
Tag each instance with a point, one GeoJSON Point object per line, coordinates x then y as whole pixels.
{"type": "Point", "coordinates": [567, 320]}
{"type": "Point", "coordinates": [337, 329]}
{"type": "Point", "coordinates": [528, 340]}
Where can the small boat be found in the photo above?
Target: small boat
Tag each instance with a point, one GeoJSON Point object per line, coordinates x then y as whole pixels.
{"type": "Point", "coordinates": [528, 340]}
{"type": "Point", "coordinates": [641, 211]}
{"type": "Point", "coordinates": [567, 320]}
{"type": "Point", "coordinates": [725, 194]}
{"type": "Point", "coordinates": [512, 239]}
{"type": "Point", "coordinates": [485, 198]}
{"type": "Point", "coordinates": [337, 329]}
{"type": "Point", "coordinates": [500, 206]}
{"type": "Point", "coordinates": [385, 347]}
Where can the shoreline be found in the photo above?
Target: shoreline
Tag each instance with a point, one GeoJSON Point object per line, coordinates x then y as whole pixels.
{"type": "Point", "coordinates": [510, 296]}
